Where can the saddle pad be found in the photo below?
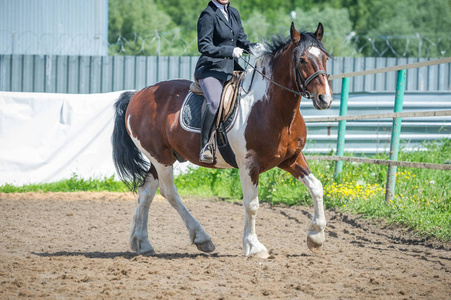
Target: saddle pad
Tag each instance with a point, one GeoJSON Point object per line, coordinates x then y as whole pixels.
{"type": "Point", "coordinates": [191, 113]}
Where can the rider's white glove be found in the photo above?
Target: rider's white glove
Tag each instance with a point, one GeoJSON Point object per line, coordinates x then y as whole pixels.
{"type": "Point", "coordinates": [237, 52]}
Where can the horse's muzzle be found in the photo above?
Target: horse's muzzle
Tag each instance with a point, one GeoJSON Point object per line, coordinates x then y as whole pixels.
{"type": "Point", "coordinates": [321, 101]}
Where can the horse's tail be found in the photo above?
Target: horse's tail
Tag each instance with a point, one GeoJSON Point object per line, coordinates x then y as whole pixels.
{"type": "Point", "coordinates": [128, 160]}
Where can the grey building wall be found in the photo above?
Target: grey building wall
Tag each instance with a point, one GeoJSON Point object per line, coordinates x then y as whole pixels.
{"type": "Point", "coordinates": [54, 27]}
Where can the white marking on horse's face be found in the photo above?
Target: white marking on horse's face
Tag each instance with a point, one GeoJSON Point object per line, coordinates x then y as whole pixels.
{"type": "Point", "coordinates": [328, 94]}
{"type": "Point", "coordinates": [314, 51]}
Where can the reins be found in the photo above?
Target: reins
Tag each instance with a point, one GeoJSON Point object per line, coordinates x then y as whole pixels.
{"type": "Point", "coordinates": [302, 88]}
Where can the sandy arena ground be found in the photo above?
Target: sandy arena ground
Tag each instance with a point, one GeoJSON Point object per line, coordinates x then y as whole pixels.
{"type": "Point", "coordinates": [68, 246]}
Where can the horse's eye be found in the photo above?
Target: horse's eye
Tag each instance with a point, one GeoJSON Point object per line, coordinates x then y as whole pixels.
{"type": "Point", "coordinates": [302, 60]}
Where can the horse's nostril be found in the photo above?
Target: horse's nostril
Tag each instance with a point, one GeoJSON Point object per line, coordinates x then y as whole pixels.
{"type": "Point", "coordinates": [323, 101]}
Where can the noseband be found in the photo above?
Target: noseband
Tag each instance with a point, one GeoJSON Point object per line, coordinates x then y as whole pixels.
{"type": "Point", "coordinates": [302, 88]}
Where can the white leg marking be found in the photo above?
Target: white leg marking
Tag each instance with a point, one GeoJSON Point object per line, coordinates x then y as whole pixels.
{"type": "Point", "coordinates": [316, 228]}
{"type": "Point", "coordinates": [167, 188]}
{"type": "Point", "coordinates": [139, 239]}
{"type": "Point", "coordinates": [251, 244]}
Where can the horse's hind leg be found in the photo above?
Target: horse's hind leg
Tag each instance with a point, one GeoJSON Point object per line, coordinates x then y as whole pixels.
{"type": "Point", "coordinates": [139, 239]}
{"type": "Point", "coordinates": [300, 170]}
{"type": "Point", "coordinates": [167, 188]}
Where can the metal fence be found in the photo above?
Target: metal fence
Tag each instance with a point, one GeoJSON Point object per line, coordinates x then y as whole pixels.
{"type": "Point", "coordinates": [395, 129]}
{"type": "Point", "coordinates": [99, 74]}
{"type": "Point", "coordinates": [371, 136]}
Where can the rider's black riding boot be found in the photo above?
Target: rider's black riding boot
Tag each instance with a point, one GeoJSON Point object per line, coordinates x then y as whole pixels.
{"type": "Point", "coordinates": [206, 142]}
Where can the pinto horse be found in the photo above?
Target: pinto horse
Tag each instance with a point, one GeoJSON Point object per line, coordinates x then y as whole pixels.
{"type": "Point", "coordinates": [269, 132]}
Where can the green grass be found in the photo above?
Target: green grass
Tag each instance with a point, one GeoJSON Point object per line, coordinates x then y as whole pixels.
{"type": "Point", "coordinates": [73, 184]}
{"type": "Point", "coordinates": [422, 198]}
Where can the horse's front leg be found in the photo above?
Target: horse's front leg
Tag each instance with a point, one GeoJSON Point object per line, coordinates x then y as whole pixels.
{"type": "Point", "coordinates": [251, 244]}
{"type": "Point", "coordinates": [300, 170]}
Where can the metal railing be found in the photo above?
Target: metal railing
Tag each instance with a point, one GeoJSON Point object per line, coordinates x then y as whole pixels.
{"type": "Point", "coordinates": [393, 163]}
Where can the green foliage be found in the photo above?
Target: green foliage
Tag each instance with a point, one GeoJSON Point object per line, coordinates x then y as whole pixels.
{"type": "Point", "coordinates": [421, 21]}
{"type": "Point", "coordinates": [337, 25]}
{"type": "Point", "coordinates": [383, 27]}
{"type": "Point", "coordinates": [73, 184]}
{"type": "Point", "coordinates": [210, 182]}
{"type": "Point", "coordinates": [135, 24]}
{"type": "Point", "coordinates": [257, 27]}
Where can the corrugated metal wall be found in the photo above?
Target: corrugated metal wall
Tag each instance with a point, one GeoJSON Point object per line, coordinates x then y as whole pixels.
{"type": "Point", "coordinates": [432, 78]}
{"type": "Point", "coordinates": [96, 74]}
{"type": "Point", "coordinates": [60, 27]}
{"type": "Point", "coordinates": [373, 136]}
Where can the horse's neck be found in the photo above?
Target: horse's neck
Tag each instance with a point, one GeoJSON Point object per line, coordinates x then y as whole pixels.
{"type": "Point", "coordinates": [279, 103]}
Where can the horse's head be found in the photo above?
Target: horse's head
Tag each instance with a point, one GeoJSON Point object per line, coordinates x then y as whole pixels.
{"type": "Point", "coordinates": [310, 74]}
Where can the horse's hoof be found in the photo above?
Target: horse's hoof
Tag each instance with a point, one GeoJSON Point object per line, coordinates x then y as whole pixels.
{"type": "Point", "coordinates": [314, 247]}
{"type": "Point", "coordinates": [261, 254]}
{"type": "Point", "coordinates": [206, 246]}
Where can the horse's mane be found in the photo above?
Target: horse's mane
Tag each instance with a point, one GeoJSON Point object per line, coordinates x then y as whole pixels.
{"type": "Point", "coordinates": [278, 44]}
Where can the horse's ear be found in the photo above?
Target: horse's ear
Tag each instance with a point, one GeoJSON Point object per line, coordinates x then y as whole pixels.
{"type": "Point", "coordinates": [319, 32]}
{"type": "Point", "coordinates": [295, 36]}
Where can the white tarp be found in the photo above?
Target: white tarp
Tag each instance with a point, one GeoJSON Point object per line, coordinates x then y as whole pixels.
{"type": "Point", "coordinates": [48, 137]}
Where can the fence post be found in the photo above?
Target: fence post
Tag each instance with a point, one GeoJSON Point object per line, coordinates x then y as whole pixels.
{"type": "Point", "coordinates": [342, 125]}
{"type": "Point", "coordinates": [396, 132]}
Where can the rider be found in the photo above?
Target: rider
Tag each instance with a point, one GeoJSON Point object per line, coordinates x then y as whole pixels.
{"type": "Point", "coordinates": [221, 41]}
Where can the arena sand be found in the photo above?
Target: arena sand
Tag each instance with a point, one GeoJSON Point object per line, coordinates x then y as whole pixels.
{"type": "Point", "coordinates": [75, 245]}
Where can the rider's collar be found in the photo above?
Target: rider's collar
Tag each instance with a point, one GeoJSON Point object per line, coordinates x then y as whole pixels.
{"type": "Point", "coordinates": [221, 6]}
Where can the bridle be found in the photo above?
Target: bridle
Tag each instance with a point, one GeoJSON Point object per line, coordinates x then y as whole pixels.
{"type": "Point", "coordinates": [301, 88]}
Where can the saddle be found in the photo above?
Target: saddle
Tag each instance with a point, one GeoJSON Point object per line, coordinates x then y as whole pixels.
{"type": "Point", "coordinates": [194, 106]}
{"type": "Point", "coordinates": [228, 97]}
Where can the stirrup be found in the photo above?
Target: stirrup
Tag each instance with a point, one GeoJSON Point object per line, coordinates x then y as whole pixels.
{"type": "Point", "coordinates": [206, 154]}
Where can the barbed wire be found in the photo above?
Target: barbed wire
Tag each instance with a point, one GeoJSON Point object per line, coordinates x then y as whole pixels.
{"type": "Point", "coordinates": [173, 43]}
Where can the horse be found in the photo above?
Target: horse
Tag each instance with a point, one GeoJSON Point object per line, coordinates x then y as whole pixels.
{"type": "Point", "coordinates": [269, 131]}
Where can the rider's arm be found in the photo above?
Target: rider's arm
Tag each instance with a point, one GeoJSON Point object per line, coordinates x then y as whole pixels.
{"type": "Point", "coordinates": [205, 27]}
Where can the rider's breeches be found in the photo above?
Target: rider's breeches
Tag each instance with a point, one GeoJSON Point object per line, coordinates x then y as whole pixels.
{"type": "Point", "coordinates": [212, 89]}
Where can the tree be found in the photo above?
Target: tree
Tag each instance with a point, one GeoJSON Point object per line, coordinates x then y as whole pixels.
{"type": "Point", "coordinates": [410, 27]}
{"type": "Point", "coordinates": [393, 28]}
{"type": "Point", "coordinates": [337, 26]}
{"type": "Point", "coordinates": [134, 26]}
{"type": "Point", "coordinates": [256, 27]}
